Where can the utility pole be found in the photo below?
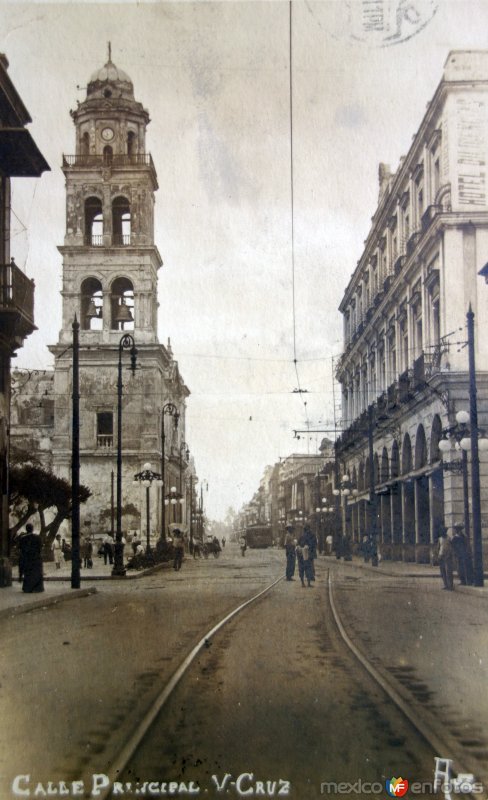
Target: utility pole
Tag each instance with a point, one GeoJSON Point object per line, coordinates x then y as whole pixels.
{"type": "Point", "coordinates": [75, 461]}
{"type": "Point", "coordinates": [475, 461]}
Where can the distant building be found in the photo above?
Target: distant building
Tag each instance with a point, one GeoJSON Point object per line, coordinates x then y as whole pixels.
{"type": "Point", "coordinates": [404, 369]}
{"type": "Point", "coordinates": [110, 267]}
{"type": "Point", "coordinates": [19, 157]}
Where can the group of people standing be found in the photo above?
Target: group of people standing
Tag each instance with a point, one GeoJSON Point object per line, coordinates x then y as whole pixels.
{"type": "Point", "coordinates": [301, 553]}
{"type": "Point", "coordinates": [454, 552]}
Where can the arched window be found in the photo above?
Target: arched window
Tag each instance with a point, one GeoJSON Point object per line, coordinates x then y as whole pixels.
{"type": "Point", "coordinates": [384, 466]}
{"type": "Point", "coordinates": [420, 448]}
{"type": "Point", "coordinates": [121, 221]}
{"type": "Point", "coordinates": [91, 305]}
{"type": "Point", "coordinates": [85, 144]}
{"type": "Point", "coordinates": [435, 437]}
{"type": "Point", "coordinates": [93, 222]}
{"type": "Point", "coordinates": [108, 155]}
{"type": "Point", "coordinates": [395, 460]}
{"type": "Point", "coordinates": [406, 455]}
{"type": "Point", "coordinates": [361, 476]}
{"type": "Point", "coordinates": [122, 305]}
{"type": "Point", "coordinates": [131, 143]}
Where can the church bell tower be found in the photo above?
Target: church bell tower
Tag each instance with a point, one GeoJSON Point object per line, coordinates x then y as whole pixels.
{"type": "Point", "coordinates": [110, 259]}
{"type": "Point", "coordinates": [110, 266]}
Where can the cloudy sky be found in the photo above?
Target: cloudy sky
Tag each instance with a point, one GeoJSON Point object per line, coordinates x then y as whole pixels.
{"type": "Point", "coordinates": [215, 78]}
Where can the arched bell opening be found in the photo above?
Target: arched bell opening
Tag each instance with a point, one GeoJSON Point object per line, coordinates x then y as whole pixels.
{"type": "Point", "coordinates": [121, 221]}
{"type": "Point", "coordinates": [122, 305]}
{"type": "Point", "coordinates": [91, 310]}
{"type": "Point", "coordinates": [93, 222]}
{"type": "Point", "coordinates": [85, 144]}
{"type": "Point", "coordinates": [131, 143]}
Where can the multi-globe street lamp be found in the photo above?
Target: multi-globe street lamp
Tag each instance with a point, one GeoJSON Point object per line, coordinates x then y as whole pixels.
{"type": "Point", "coordinates": [127, 342]}
{"type": "Point", "coordinates": [146, 478]}
{"type": "Point", "coordinates": [343, 493]}
{"type": "Point", "coordinates": [170, 410]}
{"type": "Point", "coordinates": [460, 436]}
{"type": "Point", "coordinates": [320, 512]}
{"type": "Point", "coordinates": [172, 499]}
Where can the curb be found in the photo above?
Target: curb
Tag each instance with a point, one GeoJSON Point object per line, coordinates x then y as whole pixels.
{"type": "Point", "coordinates": [13, 611]}
{"type": "Point", "coordinates": [477, 591]}
{"type": "Point", "coordinates": [130, 575]}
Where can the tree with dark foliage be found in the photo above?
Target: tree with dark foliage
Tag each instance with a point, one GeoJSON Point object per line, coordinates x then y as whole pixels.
{"type": "Point", "coordinates": [34, 490]}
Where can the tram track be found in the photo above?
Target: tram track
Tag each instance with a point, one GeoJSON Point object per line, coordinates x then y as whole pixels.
{"type": "Point", "coordinates": [437, 741]}
{"type": "Point", "coordinates": [134, 741]}
{"type": "Point", "coordinates": [436, 735]}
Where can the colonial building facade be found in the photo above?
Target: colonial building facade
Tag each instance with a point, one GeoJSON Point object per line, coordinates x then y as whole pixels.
{"type": "Point", "coordinates": [110, 269]}
{"type": "Point", "coordinates": [19, 157]}
{"type": "Point", "coordinates": [404, 368]}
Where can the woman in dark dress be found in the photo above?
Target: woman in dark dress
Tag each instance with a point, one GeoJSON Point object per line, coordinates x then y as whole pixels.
{"type": "Point", "coordinates": [30, 548]}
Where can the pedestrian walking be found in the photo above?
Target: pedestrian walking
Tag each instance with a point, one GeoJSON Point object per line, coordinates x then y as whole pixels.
{"type": "Point", "coordinates": [309, 539]}
{"type": "Point", "coordinates": [30, 544]}
{"type": "Point", "coordinates": [57, 548]}
{"type": "Point", "coordinates": [243, 545]}
{"type": "Point", "coordinates": [462, 553]}
{"type": "Point", "coordinates": [305, 564]}
{"type": "Point", "coordinates": [445, 559]}
{"type": "Point", "coordinates": [223, 541]}
{"type": "Point", "coordinates": [179, 549]}
{"type": "Point", "coordinates": [87, 552]}
{"type": "Point", "coordinates": [329, 542]}
{"type": "Point", "coordinates": [108, 549]}
{"type": "Point", "coordinates": [290, 548]}
{"type": "Point", "coordinates": [18, 545]}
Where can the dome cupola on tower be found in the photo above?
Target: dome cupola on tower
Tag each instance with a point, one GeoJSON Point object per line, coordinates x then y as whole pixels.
{"type": "Point", "coordinates": [110, 81]}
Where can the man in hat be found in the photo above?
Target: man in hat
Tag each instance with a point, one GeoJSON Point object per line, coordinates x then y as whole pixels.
{"type": "Point", "coordinates": [460, 546]}
{"type": "Point", "coordinates": [445, 559]}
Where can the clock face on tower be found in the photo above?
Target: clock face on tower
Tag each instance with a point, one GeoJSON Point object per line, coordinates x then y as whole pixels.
{"type": "Point", "coordinates": [107, 134]}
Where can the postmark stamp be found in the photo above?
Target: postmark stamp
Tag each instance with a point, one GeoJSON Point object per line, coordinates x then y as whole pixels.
{"type": "Point", "coordinates": [379, 23]}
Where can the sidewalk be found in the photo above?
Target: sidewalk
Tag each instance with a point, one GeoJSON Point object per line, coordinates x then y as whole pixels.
{"type": "Point", "coordinates": [409, 569]}
{"type": "Point", "coordinates": [57, 585]}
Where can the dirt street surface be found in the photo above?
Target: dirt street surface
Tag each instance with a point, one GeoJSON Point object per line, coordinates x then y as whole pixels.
{"type": "Point", "coordinates": [275, 702]}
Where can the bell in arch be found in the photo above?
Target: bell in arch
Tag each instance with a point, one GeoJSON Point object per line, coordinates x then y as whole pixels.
{"type": "Point", "coordinates": [123, 314]}
{"type": "Point", "coordinates": [92, 311]}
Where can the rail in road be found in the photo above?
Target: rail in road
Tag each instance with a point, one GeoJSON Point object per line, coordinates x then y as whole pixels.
{"type": "Point", "coordinates": [356, 710]}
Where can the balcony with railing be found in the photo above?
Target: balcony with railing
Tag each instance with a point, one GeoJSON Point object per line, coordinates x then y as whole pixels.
{"type": "Point", "coordinates": [113, 161]}
{"type": "Point", "coordinates": [413, 242]}
{"type": "Point", "coordinates": [99, 240]}
{"type": "Point", "coordinates": [429, 215]}
{"type": "Point", "coordinates": [16, 301]}
{"type": "Point", "coordinates": [102, 160]}
{"type": "Point", "coordinates": [105, 441]}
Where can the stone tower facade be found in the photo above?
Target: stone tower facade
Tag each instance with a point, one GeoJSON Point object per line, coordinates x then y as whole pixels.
{"type": "Point", "coordinates": [110, 269]}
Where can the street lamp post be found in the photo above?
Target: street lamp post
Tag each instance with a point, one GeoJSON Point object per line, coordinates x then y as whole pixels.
{"type": "Point", "coordinates": [75, 462]}
{"type": "Point", "coordinates": [126, 343]}
{"type": "Point", "coordinates": [462, 435]}
{"type": "Point", "coordinates": [173, 498]}
{"type": "Point", "coordinates": [170, 410]}
{"type": "Point", "coordinates": [146, 478]}
{"type": "Point", "coordinates": [341, 496]}
{"type": "Point", "coordinates": [184, 451]}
